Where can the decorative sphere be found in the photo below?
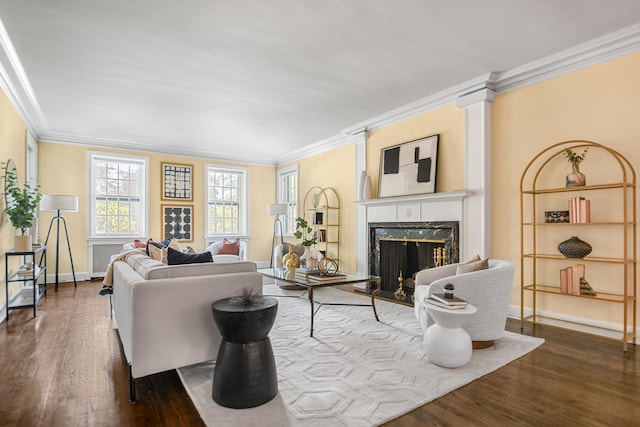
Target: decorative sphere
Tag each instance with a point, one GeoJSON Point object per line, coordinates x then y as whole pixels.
{"type": "Point", "coordinates": [328, 266]}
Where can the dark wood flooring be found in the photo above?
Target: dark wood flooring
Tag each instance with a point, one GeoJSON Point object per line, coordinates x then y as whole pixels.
{"type": "Point", "coordinates": [66, 368]}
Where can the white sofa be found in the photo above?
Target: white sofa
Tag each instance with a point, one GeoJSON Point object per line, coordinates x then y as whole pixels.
{"type": "Point", "coordinates": [488, 290]}
{"type": "Point", "coordinates": [163, 312]}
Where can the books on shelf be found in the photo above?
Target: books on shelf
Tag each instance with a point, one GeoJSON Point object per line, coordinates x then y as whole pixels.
{"type": "Point", "coordinates": [317, 277]}
{"type": "Point", "coordinates": [438, 303]}
{"type": "Point", "coordinates": [27, 272]}
{"type": "Point", "coordinates": [570, 279]}
{"type": "Point", "coordinates": [579, 210]}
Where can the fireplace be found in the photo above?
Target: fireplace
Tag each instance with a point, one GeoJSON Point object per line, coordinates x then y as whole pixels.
{"type": "Point", "coordinates": [404, 248]}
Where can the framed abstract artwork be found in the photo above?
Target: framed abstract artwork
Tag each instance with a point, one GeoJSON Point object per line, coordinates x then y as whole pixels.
{"type": "Point", "coordinates": [177, 222]}
{"type": "Point", "coordinates": [409, 168]}
{"type": "Point", "coordinates": [177, 181]}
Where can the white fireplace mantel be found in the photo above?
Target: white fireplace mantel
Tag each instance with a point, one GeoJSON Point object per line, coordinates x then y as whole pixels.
{"type": "Point", "coordinates": [446, 206]}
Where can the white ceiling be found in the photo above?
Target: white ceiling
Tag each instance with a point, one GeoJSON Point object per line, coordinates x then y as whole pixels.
{"type": "Point", "coordinates": [256, 80]}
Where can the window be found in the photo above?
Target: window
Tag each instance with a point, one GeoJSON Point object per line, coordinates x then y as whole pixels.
{"type": "Point", "coordinates": [118, 195]}
{"type": "Point", "coordinates": [226, 200]}
{"type": "Point", "coordinates": [288, 195]}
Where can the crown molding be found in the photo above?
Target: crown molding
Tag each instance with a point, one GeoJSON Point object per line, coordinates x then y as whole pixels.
{"type": "Point", "coordinates": [17, 87]}
{"type": "Point", "coordinates": [105, 143]}
{"type": "Point", "coordinates": [596, 51]}
{"type": "Point", "coordinates": [422, 105]}
{"type": "Point", "coordinates": [319, 147]}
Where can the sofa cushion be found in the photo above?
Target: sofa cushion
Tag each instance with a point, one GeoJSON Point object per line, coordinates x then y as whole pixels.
{"type": "Point", "coordinates": [142, 264]}
{"type": "Point", "coordinates": [483, 264]}
{"type": "Point", "coordinates": [230, 247]}
{"type": "Point", "coordinates": [200, 269]}
{"type": "Point", "coordinates": [175, 257]}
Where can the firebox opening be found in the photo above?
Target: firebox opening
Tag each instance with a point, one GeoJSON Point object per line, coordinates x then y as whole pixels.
{"type": "Point", "coordinates": [408, 248]}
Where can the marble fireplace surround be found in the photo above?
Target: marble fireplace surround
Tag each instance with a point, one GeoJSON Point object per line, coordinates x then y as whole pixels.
{"type": "Point", "coordinates": [421, 209]}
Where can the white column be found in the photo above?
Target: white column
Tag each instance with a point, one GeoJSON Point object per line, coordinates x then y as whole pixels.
{"type": "Point", "coordinates": [475, 229]}
{"type": "Point", "coordinates": [362, 230]}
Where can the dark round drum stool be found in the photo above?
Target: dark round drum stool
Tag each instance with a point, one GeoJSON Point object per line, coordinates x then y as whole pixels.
{"type": "Point", "coordinates": [245, 374]}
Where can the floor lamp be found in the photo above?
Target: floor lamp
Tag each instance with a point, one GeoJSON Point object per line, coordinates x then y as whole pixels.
{"type": "Point", "coordinates": [276, 210]}
{"type": "Point", "coordinates": [60, 203]}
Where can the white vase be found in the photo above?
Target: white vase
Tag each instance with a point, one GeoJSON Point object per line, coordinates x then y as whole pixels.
{"type": "Point", "coordinates": [363, 176]}
{"type": "Point", "coordinates": [22, 243]}
{"type": "Point", "coordinates": [367, 191]}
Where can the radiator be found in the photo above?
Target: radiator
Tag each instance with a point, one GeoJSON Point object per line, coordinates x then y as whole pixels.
{"type": "Point", "coordinates": [100, 254]}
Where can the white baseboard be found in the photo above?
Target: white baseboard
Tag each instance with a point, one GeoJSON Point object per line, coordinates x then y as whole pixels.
{"type": "Point", "coordinates": [574, 323]}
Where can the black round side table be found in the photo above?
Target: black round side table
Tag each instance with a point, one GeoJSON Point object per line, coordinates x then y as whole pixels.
{"type": "Point", "coordinates": [245, 373]}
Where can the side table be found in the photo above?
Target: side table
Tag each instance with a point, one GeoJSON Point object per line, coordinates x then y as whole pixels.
{"type": "Point", "coordinates": [446, 344]}
{"type": "Point", "coordinates": [31, 290]}
{"type": "Point", "coordinates": [245, 373]}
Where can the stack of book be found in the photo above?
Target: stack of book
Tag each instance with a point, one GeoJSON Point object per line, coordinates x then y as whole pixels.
{"type": "Point", "coordinates": [332, 277]}
{"type": "Point", "coordinates": [453, 303]}
{"type": "Point", "coordinates": [570, 279]}
{"type": "Point", "coordinates": [579, 210]}
{"type": "Point", "coordinates": [304, 272]}
{"type": "Point", "coordinates": [25, 272]}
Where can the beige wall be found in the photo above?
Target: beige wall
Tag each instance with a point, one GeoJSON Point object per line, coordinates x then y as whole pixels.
{"type": "Point", "coordinates": [73, 179]}
{"type": "Point", "coordinates": [601, 104]}
{"type": "Point", "coordinates": [448, 121]}
{"type": "Point", "coordinates": [12, 146]}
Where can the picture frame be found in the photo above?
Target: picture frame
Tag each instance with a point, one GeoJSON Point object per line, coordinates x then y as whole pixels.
{"type": "Point", "coordinates": [177, 222]}
{"type": "Point", "coordinates": [409, 168]}
{"type": "Point", "coordinates": [177, 181]}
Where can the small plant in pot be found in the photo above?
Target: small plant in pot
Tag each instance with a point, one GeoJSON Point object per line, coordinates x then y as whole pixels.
{"type": "Point", "coordinates": [21, 205]}
{"type": "Point", "coordinates": [448, 290]}
{"type": "Point", "coordinates": [309, 238]}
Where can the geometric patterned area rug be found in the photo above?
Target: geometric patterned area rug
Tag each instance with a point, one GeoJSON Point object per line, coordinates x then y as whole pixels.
{"type": "Point", "coordinates": [354, 371]}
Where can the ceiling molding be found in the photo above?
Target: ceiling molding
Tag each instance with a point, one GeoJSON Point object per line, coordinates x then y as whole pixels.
{"type": "Point", "coordinates": [602, 49]}
{"type": "Point", "coordinates": [112, 144]}
{"type": "Point", "coordinates": [320, 147]}
{"type": "Point", "coordinates": [17, 87]}
{"type": "Point", "coordinates": [422, 105]}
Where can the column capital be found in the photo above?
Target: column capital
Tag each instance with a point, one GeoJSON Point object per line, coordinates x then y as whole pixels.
{"type": "Point", "coordinates": [480, 95]}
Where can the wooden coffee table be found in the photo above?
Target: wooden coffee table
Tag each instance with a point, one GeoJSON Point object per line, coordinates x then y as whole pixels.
{"type": "Point", "coordinates": [287, 276]}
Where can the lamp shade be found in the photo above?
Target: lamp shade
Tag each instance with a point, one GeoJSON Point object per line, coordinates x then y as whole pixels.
{"type": "Point", "coordinates": [276, 209]}
{"type": "Point", "coordinates": [59, 202]}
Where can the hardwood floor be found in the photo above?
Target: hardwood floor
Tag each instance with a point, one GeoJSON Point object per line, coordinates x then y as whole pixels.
{"type": "Point", "coordinates": [66, 368]}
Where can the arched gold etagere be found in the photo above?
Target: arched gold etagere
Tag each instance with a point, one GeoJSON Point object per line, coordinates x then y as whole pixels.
{"type": "Point", "coordinates": [612, 228]}
{"type": "Point", "coordinates": [322, 211]}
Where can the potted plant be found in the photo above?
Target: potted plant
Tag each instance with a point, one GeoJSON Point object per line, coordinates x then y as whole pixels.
{"type": "Point", "coordinates": [448, 290]}
{"type": "Point", "coordinates": [20, 205]}
{"type": "Point", "coordinates": [309, 238]}
{"type": "Point", "coordinates": [575, 178]}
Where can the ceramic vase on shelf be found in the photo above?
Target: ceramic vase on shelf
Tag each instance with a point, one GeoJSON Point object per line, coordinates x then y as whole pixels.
{"type": "Point", "coordinates": [576, 178]}
{"type": "Point", "coordinates": [22, 243]}
{"type": "Point", "coordinates": [574, 248]}
{"type": "Point", "coordinates": [367, 190]}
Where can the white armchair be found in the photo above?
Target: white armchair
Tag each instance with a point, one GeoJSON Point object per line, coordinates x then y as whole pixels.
{"type": "Point", "coordinates": [488, 290]}
{"type": "Point", "coordinates": [216, 247]}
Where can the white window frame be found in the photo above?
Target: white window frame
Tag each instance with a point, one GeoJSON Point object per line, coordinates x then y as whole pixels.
{"type": "Point", "coordinates": [288, 220]}
{"type": "Point", "coordinates": [144, 198]}
{"type": "Point", "coordinates": [243, 213]}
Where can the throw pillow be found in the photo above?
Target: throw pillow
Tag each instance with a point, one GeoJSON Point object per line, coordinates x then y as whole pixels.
{"type": "Point", "coordinates": [474, 259]}
{"type": "Point", "coordinates": [483, 264]}
{"type": "Point", "coordinates": [173, 243]}
{"type": "Point", "coordinates": [140, 244]}
{"type": "Point", "coordinates": [230, 247]}
{"type": "Point", "coordinates": [157, 251]}
{"type": "Point", "coordinates": [175, 257]}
